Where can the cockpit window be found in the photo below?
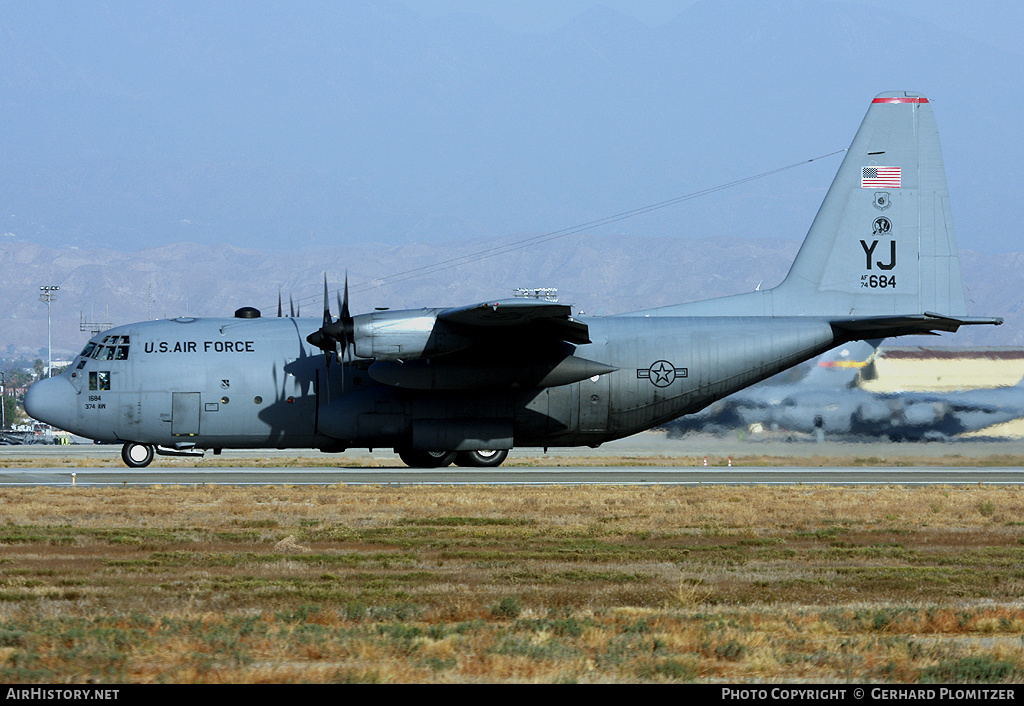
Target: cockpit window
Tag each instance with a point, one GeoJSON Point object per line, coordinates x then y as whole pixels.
{"type": "Point", "coordinates": [89, 348]}
{"type": "Point", "coordinates": [110, 348]}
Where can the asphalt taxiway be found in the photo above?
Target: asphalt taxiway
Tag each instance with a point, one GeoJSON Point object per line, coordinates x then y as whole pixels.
{"type": "Point", "coordinates": [512, 476]}
{"type": "Point", "coordinates": [650, 458]}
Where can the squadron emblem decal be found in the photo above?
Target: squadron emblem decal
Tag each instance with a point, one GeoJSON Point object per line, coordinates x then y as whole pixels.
{"type": "Point", "coordinates": [882, 200]}
{"type": "Point", "coordinates": [661, 373]}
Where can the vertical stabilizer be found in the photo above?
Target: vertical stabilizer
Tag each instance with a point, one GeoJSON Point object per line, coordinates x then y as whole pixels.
{"type": "Point", "coordinates": [840, 367]}
{"type": "Point", "coordinates": [882, 243]}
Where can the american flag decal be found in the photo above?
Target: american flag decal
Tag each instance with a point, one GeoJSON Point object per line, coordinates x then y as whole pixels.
{"type": "Point", "coordinates": [879, 177]}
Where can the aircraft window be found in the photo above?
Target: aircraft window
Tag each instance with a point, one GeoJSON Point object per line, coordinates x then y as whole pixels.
{"type": "Point", "coordinates": [99, 380]}
{"type": "Point", "coordinates": [108, 353]}
{"type": "Point", "coordinates": [121, 353]}
{"type": "Point", "coordinates": [89, 348]}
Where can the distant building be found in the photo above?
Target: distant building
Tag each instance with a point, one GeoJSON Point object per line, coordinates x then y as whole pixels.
{"type": "Point", "coordinates": [926, 369]}
{"type": "Point", "coordinates": [57, 366]}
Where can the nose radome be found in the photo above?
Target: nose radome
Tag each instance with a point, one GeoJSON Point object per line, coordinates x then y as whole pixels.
{"type": "Point", "coordinates": [51, 401]}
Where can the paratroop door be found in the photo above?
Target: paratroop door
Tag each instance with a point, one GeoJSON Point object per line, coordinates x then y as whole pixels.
{"type": "Point", "coordinates": [184, 414]}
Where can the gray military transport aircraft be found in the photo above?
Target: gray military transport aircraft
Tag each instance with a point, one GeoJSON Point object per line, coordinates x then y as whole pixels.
{"type": "Point", "coordinates": [467, 384]}
{"type": "Point", "coordinates": [829, 403]}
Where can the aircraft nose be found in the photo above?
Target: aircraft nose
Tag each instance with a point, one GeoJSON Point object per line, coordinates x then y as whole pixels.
{"type": "Point", "coordinates": [51, 401]}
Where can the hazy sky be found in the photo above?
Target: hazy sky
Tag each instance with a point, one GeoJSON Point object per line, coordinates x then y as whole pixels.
{"type": "Point", "coordinates": [997, 22]}
{"type": "Point", "coordinates": [271, 124]}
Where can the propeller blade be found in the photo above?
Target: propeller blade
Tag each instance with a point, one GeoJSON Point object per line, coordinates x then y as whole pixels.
{"type": "Point", "coordinates": [328, 344]}
{"type": "Point", "coordinates": [320, 338]}
{"type": "Point", "coordinates": [327, 306]}
{"type": "Point", "coordinates": [344, 304]}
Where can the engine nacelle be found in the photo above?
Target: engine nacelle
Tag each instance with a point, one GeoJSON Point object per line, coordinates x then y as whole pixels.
{"type": "Point", "coordinates": [924, 413]}
{"type": "Point", "coordinates": [405, 335]}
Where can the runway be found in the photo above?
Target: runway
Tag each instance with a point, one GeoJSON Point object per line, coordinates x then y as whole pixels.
{"type": "Point", "coordinates": [86, 477]}
{"type": "Point", "coordinates": [645, 459]}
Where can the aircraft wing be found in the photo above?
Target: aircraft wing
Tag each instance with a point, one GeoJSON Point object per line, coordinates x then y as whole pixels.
{"type": "Point", "coordinates": [498, 344]}
{"type": "Point", "coordinates": [551, 317]}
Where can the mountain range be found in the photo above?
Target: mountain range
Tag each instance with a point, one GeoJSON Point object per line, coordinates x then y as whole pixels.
{"type": "Point", "coordinates": [596, 274]}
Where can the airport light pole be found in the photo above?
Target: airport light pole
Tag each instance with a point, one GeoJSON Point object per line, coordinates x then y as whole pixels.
{"type": "Point", "coordinates": [47, 295]}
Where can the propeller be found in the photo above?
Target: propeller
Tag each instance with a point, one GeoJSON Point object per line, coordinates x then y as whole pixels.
{"type": "Point", "coordinates": [292, 311]}
{"type": "Point", "coordinates": [333, 334]}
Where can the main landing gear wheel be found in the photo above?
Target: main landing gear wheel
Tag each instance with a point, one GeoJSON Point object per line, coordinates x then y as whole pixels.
{"type": "Point", "coordinates": [481, 459]}
{"type": "Point", "coordinates": [136, 455]}
{"type": "Point", "coordinates": [426, 459]}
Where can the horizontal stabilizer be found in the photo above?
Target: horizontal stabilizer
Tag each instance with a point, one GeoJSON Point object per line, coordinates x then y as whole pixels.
{"type": "Point", "coordinates": [887, 326]}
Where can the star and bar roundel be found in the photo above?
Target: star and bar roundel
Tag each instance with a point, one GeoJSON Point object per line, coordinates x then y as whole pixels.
{"type": "Point", "coordinates": [661, 373]}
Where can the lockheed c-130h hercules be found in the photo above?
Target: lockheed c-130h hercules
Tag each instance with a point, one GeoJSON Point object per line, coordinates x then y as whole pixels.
{"type": "Point", "coordinates": [467, 384]}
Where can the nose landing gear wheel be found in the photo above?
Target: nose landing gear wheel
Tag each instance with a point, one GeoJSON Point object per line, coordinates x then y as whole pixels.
{"type": "Point", "coordinates": [481, 459]}
{"type": "Point", "coordinates": [136, 455]}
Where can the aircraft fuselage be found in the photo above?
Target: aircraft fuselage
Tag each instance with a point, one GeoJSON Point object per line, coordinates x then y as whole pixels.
{"type": "Point", "coordinates": [252, 383]}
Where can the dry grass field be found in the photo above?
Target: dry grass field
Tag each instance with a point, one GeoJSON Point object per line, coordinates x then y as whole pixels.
{"type": "Point", "coordinates": [590, 584]}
